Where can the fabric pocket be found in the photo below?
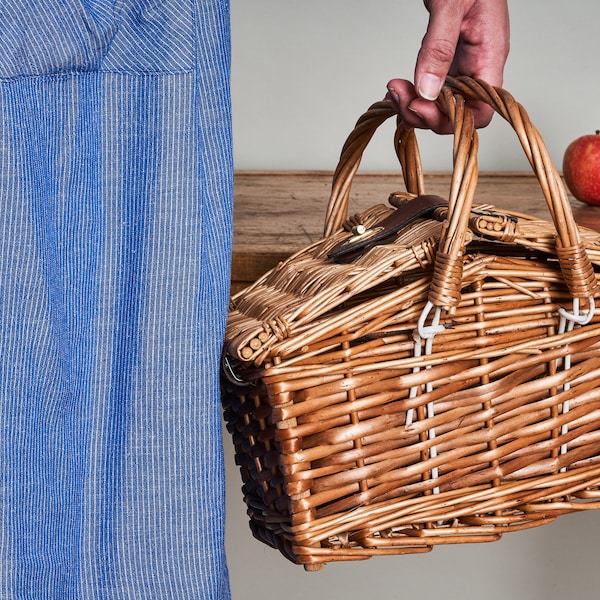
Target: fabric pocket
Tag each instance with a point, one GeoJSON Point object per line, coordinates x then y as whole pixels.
{"type": "Point", "coordinates": [73, 36]}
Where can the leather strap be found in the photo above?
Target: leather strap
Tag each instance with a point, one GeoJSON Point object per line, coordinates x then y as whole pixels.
{"type": "Point", "coordinates": [385, 231]}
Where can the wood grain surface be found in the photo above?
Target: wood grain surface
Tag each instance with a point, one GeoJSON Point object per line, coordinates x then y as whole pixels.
{"type": "Point", "coordinates": [277, 213]}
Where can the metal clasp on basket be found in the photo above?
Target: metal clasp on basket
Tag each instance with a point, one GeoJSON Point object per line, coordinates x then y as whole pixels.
{"type": "Point", "coordinates": [229, 372]}
{"type": "Point", "coordinates": [360, 233]}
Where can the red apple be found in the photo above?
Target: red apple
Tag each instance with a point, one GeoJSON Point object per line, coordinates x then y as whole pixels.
{"type": "Point", "coordinates": [581, 168]}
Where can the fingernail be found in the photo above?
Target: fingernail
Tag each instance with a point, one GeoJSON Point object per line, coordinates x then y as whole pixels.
{"type": "Point", "coordinates": [429, 86]}
{"type": "Point", "coordinates": [415, 111]}
{"type": "Point", "coordinates": [393, 97]}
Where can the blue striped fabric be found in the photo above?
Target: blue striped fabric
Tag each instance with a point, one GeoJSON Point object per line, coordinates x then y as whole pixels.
{"type": "Point", "coordinates": [115, 227]}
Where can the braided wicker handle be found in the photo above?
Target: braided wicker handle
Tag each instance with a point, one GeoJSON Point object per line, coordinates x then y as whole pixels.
{"type": "Point", "coordinates": [446, 280]}
{"type": "Point", "coordinates": [405, 143]}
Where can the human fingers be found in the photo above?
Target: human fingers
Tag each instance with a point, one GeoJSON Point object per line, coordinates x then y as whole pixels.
{"type": "Point", "coordinates": [439, 45]}
{"type": "Point", "coordinates": [413, 110]}
{"type": "Point", "coordinates": [483, 48]}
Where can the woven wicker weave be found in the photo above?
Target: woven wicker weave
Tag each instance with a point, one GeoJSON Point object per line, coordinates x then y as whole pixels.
{"type": "Point", "coordinates": [439, 388]}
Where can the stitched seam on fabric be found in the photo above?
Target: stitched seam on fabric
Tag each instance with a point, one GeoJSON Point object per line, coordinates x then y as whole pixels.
{"type": "Point", "coordinates": [69, 74]}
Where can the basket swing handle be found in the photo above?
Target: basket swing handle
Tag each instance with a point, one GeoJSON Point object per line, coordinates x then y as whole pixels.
{"type": "Point", "coordinates": [446, 282]}
{"type": "Point", "coordinates": [405, 144]}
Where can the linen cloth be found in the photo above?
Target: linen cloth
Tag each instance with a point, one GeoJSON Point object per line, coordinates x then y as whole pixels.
{"type": "Point", "coordinates": [115, 227]}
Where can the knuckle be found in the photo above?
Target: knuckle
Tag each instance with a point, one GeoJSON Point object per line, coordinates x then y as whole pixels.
{"type": "Point", "coordinates": [440, 52]}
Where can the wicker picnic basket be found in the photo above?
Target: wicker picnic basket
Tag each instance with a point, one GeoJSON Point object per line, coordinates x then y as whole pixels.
{"type": "Point", "coordinates": [425, 374]}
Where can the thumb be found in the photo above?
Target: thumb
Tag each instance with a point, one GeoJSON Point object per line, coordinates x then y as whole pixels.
{"type": "Point", "coordinates": [437, 48]}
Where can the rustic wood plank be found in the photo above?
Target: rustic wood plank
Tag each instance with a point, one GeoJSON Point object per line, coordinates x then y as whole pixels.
{"type": "Point", "coordinates": [277, 213]}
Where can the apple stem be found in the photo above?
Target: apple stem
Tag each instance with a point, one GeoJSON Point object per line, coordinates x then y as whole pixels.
{"type": "Point", "coordinates": [597, 131]}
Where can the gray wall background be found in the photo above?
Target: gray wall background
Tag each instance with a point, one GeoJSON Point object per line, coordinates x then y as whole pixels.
{"type": "Point", "coordinates": [304, 71]}
{"type": "Point", "coordinates": [302, 74]}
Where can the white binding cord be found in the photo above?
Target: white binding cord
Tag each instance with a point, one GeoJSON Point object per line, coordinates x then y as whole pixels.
{"type": "Point", "coordinates": [567, 322]}
{"type": "Point", "coordinates": [427, 333]}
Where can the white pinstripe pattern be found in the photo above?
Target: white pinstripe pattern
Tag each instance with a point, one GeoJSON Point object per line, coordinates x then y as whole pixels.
{"type": "Point", "coordinates": [115, 225]}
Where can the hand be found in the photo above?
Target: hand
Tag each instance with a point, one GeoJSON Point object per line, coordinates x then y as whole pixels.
{"type": "Point", "coordinates": [464, 37]}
